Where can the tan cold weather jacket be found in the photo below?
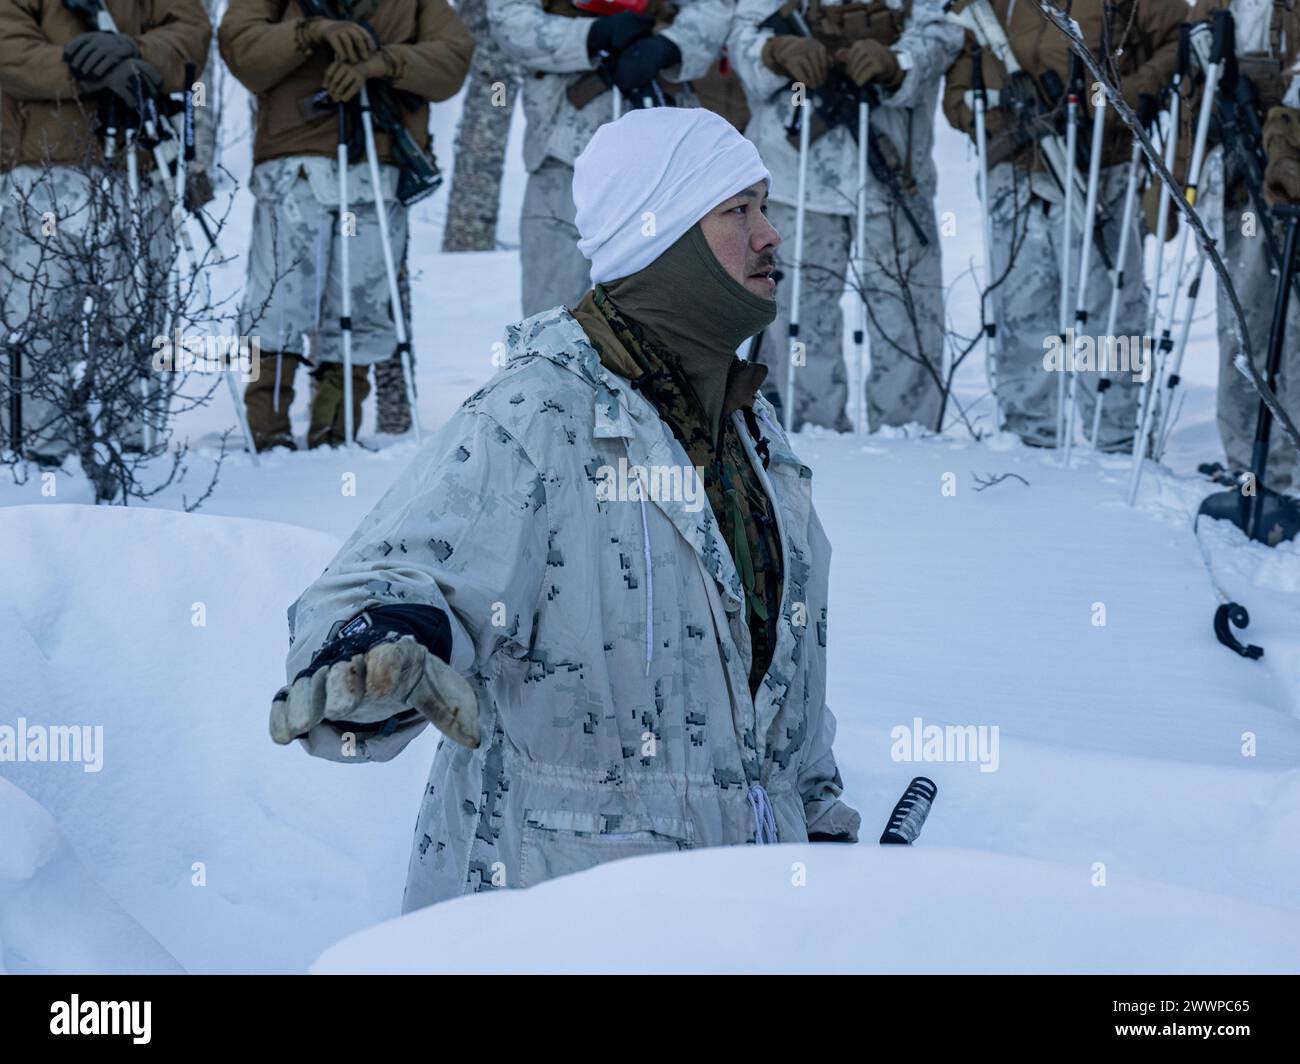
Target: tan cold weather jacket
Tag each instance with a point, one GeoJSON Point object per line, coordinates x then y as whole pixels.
{"type": "Point", "coordinates": [1145, 30]}
{"type": "Point", "coordinates": [42, 117]}
{"type": "Point", "coordinates": [261, 41]}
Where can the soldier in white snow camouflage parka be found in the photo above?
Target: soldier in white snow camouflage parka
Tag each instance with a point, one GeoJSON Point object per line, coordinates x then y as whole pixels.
{"type": "Point", "coordinates": [608, 711]}
{"type": "Point", "coordinates": [602, 736]}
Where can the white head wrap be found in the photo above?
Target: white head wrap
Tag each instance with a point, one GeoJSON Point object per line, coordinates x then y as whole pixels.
{"type": "Point", "coordinates": [644, 180]}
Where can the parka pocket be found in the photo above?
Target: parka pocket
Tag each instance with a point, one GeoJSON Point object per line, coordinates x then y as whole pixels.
{"type": "Point", "coordinates": [562, 842]}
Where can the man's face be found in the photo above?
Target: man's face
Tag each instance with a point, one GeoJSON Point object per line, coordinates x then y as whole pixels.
{"type": "Point", "coordinates": [743, 240]}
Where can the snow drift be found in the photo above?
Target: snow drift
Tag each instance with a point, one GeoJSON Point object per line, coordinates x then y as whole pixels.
{"type": "Point", "coordinates": [828, 909]}
{"type": "Point", "coordinates": [168, 631]}
{"type": "Point", "coordinates": [53, 916]}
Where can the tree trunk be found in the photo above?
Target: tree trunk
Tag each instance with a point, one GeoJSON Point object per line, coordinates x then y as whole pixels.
{"type": "Point", "coordinates": [475, 198]}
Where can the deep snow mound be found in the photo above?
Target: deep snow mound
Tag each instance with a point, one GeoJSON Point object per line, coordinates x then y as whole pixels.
{"type": "Point", "coordinates": [830, 908]}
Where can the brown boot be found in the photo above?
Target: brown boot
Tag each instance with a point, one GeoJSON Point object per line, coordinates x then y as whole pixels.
{"type": "Point", "coordinates": [268, 399]}
{"type": "Point", "coordinates": [327, 407]}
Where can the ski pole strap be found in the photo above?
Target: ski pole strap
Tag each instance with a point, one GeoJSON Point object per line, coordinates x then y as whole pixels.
{"type": "Point", "coordinates": [908, 817]}
{"type": "Point", "coordinates": [187, 128]}
{"type": "Point", "coordinates": [1227, 616]}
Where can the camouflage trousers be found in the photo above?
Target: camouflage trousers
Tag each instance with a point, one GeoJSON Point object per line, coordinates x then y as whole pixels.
{"type": "Point", "coordinates": [293, 288]}
{"type": "Point", "coordinates": [392, 410]}
{"type": "Point", "coordinates": [903, 287]}
{"type": "Point", "coordinates": [32, 272]}
{"type": "Point", "coordinates": [1026, 308]}
{"type": "Point", "coordinates": [1238, 403]}
{"type": "Point", "coordinates": [553, 272]}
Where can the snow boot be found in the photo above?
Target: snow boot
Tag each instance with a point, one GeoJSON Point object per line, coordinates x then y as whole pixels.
{"type": "Point", "coordinates": [267, 400]}
{"type": "Point", "coordinates": [327, 404]}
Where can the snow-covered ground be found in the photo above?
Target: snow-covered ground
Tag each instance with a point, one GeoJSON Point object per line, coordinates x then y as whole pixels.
{"type": "Point", "coordinates": [1144, 813]}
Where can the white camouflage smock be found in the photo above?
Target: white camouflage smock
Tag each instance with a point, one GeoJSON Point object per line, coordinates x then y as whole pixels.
{"type": "Point", "coordinates": [604, 636]}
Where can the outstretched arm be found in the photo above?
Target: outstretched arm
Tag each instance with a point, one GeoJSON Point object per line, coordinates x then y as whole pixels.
{"type": "Point", "coordinates": [463, 534]}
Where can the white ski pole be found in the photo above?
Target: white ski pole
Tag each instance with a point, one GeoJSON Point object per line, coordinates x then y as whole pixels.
{"type": "Point", "coordinates": [981, 103]}
{"type": "Point", "coordinates": [804, 111]}
{"type": "Point", "coordinates": [1067, 234]}
{"type": "Point", "coordinates": [1162, 228]}
{"type": "Point", "coordinates": [1223, 32]}
{"type": "Point", "coordinates": [1176, 364]}
{"type": "Point", "coordinates": [345, 278]}
{"type": "Point", "coordinates": [1117, 286]}
{"type": "Point", "coordinates": [390, 266]}
{"type": "Point", "coordinates": [1212, 70]}
{"type": "Point", "coordinates": [1085, 261]}
{"type": "Point", "coordinates": [860, 258]}
{"type": "Point", "coordinates": [137, 267]}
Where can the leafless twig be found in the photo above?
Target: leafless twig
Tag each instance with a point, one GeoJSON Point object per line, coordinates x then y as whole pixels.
{"type": "Point", "coordinates": [995, 478]}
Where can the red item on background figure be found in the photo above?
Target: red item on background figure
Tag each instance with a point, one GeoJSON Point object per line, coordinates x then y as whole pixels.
{"type": "Point", "coordinates": [612, 7]}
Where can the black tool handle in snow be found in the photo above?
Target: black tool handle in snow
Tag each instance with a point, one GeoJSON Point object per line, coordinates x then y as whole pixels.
{"type": "Point", "coordinates": [908, 817]}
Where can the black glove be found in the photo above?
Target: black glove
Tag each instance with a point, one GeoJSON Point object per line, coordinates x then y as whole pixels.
{"type": "Point", "coordinates": [91, 56]}
{"type": "Point", "coordinates": [428, 624]}
{"type": "Point", "coordinates": [130, 80]}
{"type": "Point", "coordinates": [613, 33]}
{"type": "Point", "coordinates": [637, 66]}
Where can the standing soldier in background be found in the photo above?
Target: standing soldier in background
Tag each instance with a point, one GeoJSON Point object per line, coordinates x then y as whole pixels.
{"type": "Point", "coordinates": [293, 286]}
{"type": "Point", "coordinates": [569, 59]}
{"type": "Point", "coordinates": [900, 50]}
{"type": "Point", "coordinates": [1026, 202]}
{"type": "Point", "coordinates": [1267, 47]}
{"type": "Point", "coordinates": [56, 72]}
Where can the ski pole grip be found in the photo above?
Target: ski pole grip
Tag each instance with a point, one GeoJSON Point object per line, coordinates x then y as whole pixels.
{"type": "Point", "coordinates": [1076, 73]}
{"type": "Point", "coordinates": [977, 69]}
{"type": "Point", "coordinates": [908, 817]}
{"type": "Point", "coordinates": [1184, 49]}
{"type": "Point", "coordinates": [1221, 34]}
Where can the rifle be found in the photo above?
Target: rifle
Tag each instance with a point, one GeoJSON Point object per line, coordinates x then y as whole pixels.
{"type": "Point", "coordinates": [418, 173]}
{"type": "Point", "coordinates": [834, 104]}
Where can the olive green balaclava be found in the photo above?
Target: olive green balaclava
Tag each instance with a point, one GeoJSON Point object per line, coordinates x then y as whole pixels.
{"type": "Point", "coordinates": [697, 311]}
